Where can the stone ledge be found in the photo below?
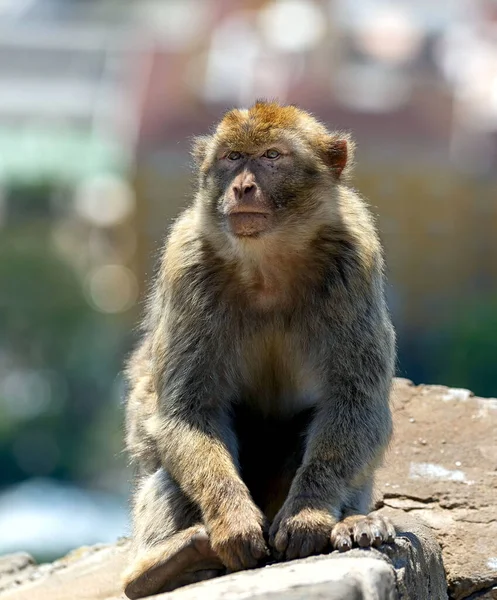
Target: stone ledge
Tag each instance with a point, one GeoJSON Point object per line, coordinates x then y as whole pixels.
{"type": "Point", "coordinates": [441, 471]}
{"type": "Point", "coordinates": [411, 569]}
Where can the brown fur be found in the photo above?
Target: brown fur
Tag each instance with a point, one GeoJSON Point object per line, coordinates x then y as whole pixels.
{"type": "Point", "coordinates": [258, 406]}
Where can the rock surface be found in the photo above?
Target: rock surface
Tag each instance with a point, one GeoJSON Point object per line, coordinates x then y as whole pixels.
{"type": "Point", "coordinates": [411, 569]}
{"type": "Point", "coordinates": [88, 573]}
{"type": "Point", "coordinates": [441, 471]}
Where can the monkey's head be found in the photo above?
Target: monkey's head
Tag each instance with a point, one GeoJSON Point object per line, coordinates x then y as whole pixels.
{"type": "Point", "coordinates": [269, 166]}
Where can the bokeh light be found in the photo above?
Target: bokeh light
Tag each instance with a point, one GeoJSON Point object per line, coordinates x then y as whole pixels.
{"type": "Point", "coordinates": [104, 200]}
{"type": "Point", "coordinates": [112, 288]}
{"type": "Point", "coordinates": [292, 25]}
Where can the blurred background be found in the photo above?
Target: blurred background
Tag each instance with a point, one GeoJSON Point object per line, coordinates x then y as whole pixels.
{"type": "Point", "coordinates": [99, 100]}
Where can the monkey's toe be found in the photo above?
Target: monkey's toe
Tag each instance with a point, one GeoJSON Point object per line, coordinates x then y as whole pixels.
{"type": "Point", "coordinates": [178, 562]}
{"type": "Point", "coordinates": [363, 531]}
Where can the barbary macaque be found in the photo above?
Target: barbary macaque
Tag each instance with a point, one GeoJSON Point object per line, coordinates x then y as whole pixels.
{"type": "Point", "coordinates": [258, 407]}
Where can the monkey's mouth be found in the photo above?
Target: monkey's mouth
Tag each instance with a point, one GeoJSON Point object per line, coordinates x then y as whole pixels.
{"type": "Point", "coordinates": [249, 224]}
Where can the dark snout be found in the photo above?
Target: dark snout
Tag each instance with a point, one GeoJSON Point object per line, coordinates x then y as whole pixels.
{"type": "Point", "coordinates": [246, 208]}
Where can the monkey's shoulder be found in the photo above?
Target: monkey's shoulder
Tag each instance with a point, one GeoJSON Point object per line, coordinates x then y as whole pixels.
{"type": "Point", "coordinates": [347, 261]}
{"type": "Point", "coordinates": [188, 258]}
{"type": "Point", "coordinates": [182, 244]}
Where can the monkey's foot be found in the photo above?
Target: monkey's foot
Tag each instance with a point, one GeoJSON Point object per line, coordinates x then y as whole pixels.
{"type": "Point", "coordinates": [363, 531]}
{"type": "Point", "coordinates": [185, 558]}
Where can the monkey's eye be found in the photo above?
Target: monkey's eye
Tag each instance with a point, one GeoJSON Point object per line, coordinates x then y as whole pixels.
{"type": "Point", "coordinates": [272, 153]}
{"type": "Point", "coordinates": [234, 155]}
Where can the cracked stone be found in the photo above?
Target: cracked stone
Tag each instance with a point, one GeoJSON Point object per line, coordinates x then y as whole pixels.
{"type": "Point", "coordinates": [455, 493]}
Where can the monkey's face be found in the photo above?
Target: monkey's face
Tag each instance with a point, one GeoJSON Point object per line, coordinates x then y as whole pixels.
{"type": "Point", "coordinates": [256, 185]}
{"type": "Point", "coordinates": [267, 167]}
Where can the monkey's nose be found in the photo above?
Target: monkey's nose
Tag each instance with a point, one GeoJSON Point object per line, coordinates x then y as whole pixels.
{"type": "Point", "coordinates": [242, 191]}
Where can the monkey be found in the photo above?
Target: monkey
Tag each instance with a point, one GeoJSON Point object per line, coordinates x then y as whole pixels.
{"type": "Point", "coordinates": [258, 406]}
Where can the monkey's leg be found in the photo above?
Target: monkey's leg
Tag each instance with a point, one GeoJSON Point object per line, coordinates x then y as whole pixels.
{"type": "Point", "coordinates": [359, 527]}
{"type": "Point", "coordinates": [171, 547]}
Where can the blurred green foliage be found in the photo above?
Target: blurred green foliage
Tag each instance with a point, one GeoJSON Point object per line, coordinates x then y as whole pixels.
{"type": "Point", "coordinates": [60, 416]}
{"type": "Point", "coordinates": [464, 352]}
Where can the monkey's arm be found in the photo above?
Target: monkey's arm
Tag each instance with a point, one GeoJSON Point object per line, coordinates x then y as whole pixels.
{"type": "Point", "coordinates": [195, 442]}
{"type": "Point", "coordinates": [345, 442]}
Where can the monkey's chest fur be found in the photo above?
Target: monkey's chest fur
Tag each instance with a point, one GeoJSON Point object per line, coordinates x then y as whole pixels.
{"type": "Point", "coordinates": [277, 377]}
{"type": "Point", "coordinates": [273, 411]}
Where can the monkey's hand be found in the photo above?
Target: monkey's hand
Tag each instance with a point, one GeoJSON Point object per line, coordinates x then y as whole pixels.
{"type": "Point", "coordinates": [237, 537]}
{"type": "Point", "coordinates": [298, 532]}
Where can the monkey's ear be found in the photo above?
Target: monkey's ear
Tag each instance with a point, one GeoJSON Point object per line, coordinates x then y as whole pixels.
{"type": "Point", "coordinates": [339, 155]}
{"type": "Point", "coordinates": [199, 149]}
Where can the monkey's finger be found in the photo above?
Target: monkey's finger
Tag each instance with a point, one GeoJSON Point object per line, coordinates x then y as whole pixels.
{"type": "Point", "coordinates": [254, 552]}
{"type": "Point", "coordinates": [341, 537]}
{"type": "Point", "coordinates": [311, 544]}
{"type": "Point", "coordinates": [260, 550]}
{"type": "Point", "coordinates": [305, 543]}
{"type": "Point", "coordinates": [232, 561]}
{"type": "Point", "coordinates": [280, 541]}
{"type": "Point", "coordinates": [229, 553]}
{"type": "Point", "coordinates": [343, 544]}
{"type": "Point", "coordinates": [342, 541]}
{"type": "Point", "coordinates": [247, 553]}
{"type": "Point", "coordinates": [390, 539]}
{"type": "Point", "coordinates": [362, 534]}
{"type": "Point", "coordinates": [378, 532]}
{"type": "Point", "coordinates": [294, 548]}
{"type": "Point", "coordinates": [247, 561]}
